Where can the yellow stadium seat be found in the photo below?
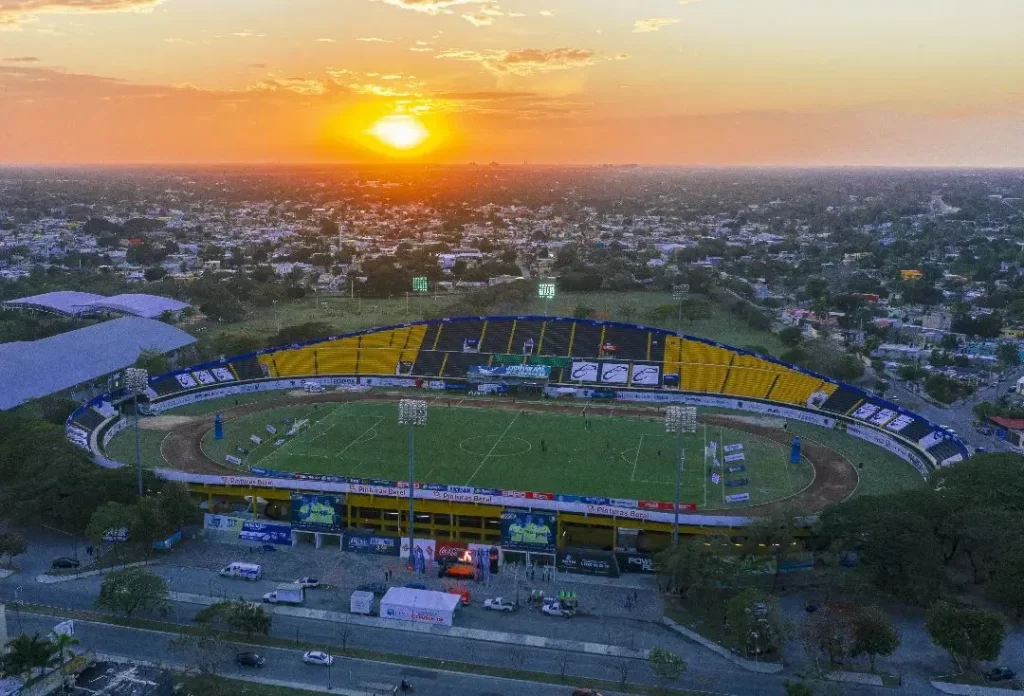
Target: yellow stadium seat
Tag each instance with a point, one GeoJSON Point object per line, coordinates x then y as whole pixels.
{"type": "Point", "coordinates": [748, 382]}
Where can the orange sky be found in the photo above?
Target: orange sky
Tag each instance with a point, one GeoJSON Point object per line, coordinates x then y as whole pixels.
{"type": "Point", "coordinates": [892, 82]}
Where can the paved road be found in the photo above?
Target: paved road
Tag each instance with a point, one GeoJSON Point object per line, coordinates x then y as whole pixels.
{"type": "Point", "coordinates": [287, 665]}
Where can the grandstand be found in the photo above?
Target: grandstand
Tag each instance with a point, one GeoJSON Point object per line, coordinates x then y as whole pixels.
{"type": "Point", "coordinates": [78, 304]}
{"type": "Point", "coordinates": [580, 353]}
{"type": "Point", "coordinates": [33, 369]}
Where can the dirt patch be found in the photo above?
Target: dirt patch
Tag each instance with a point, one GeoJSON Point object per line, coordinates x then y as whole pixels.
{"type": "Point", "coordinates": [834, 477]}
{"type": "Point", "coordinates": [165, 423]}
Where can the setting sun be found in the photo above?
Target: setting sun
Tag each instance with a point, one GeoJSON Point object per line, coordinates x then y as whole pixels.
{"type": "Point", "coordinates": [399, 131]}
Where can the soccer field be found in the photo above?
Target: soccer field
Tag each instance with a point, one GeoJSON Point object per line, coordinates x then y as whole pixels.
{"type": "Point", "coordinates": [488, 448]}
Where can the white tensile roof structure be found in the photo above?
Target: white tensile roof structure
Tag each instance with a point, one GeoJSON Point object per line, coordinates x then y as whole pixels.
{"type": "Point", "coordinates": [71, 303]}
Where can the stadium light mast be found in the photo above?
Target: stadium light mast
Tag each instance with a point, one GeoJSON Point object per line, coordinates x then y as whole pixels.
{"type": "Point", "coordinates": [679, 420]}
{"type": "Point", "coordinates": [412, 412]}
{"type": "Point", "coordinates": [546, 291]}
{"type": "Point", "coordinates": [136, 380]}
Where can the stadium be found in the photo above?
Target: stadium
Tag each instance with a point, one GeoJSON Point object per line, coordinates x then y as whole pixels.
{"type": "Point", "coordinates": [560, 418]}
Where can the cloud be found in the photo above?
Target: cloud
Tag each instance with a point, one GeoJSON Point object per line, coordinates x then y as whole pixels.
{"type": "Point", "coordinates": [433, 7]}
{"type": "Point", "coordinates": [642, 26]}
{"type": "Point", "coordinates": [528, 61]}
{"type": "Point", "coordinates": [547, 13]}
{"type": "Point", "coordinates": [257, 65]}
{"type": "Point", "coordinates": [478, 19]}
{"type": "Point", "coordinates": [378, 90]}
{"type": "Point", "coordinates": [21, 59]}
{"type": "Point", "coordinates": [14, 12]}
{"type": "Point", "coordinates": [176, 40]}
{"type": "Point", "coordinates": [325, 40]}
{"type": "Point", "coordinates": [373, 39]}
{"type": "Point", "coordinates": [299, 85]}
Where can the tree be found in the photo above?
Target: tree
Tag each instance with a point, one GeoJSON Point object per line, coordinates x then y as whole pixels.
{"type": "Point", "coordinates": [797, 688]}
{"type": "Point", "coordinates": [1008, 353]}
{"type": "Point", "coordinates": [667, 666]}
{"type": "Point", "coordinates": [153, 361]}
{"type": "Point", "coordinates": [248, 618]}
{"type": "Point", "coordinates": [791, 336]}
{"type": "Point", "coordinates": [966, 634]}
{"type": "Point", "coordinates": [754, 617]}
{"type": "Point", "coordinates": [11, 544]}
{"type": "Point", "coordinates": [109, 519]}
{"type": "Point", "coordinates": [583, 312]}
{"type": "Point", "coordinates": [830, 631]}
{"type": "Point", "coordinates": [205, 649]}
{"type": "Point", "coordinates": [1006, 587]}
{"type": "Point", "coordinates": [131, 589]}
{"type": "Point", "coordinates": [873, 634]}
{"type": "Point", "coordinates": [26, 653]}
{"type": "Point", "coordinates": [61, 644]}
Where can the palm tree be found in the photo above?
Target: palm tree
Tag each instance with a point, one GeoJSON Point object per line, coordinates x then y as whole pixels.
{"type": "Point", "coordinates": [26, 653]}
{"type": "Point", "coordinates": [61, 643]}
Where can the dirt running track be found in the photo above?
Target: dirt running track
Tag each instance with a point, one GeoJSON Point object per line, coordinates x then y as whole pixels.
{"type": "Point", "coordinates": [834, 477]}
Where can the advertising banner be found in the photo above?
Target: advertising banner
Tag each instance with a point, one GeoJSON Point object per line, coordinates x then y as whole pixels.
{"type": "Point", "coordinates": [271, 429]}
{"type": "Point", "coordinates": [583, 371]}
{"type": "Point", "coordinates": [646, 375]}
{"type": "Point", "coordinates": [165, 544]}
{"type": "Point", "coordinates": [737, 497]}
{"type": "Point", "coordinates": [733, 448]}
{"type": "Point", "coordinates": [588, 562]}
{"type": "Point", "coordinates": [614, 373]}
{"type": "Point", "coordinates": [232, 459]}
{"type": "Point", "coordinates": [737, 457]}
{"type": "Point", "coordinates": [266, 532]}
{"type": "Point", "coordinates": [223, 523]}
{"type": "Point", "coordinates": [256, 439]}
{"type": "Point", "coordinates": [515, 371]}
{"type": "Point", "coordinates": [316, 513]}
{"type": "Point", "coordinates": [360, 542]}
{"type": "Point", "coordinates": [450, 550]}
{"type": "Point", "coordinates": [735, 483]}
{"type": "Point", "coordinates": [422, 553]}
{"type": "Point", "coordinates": [522, 530]}
{"type": "Point", "coordinates": [634, 562]}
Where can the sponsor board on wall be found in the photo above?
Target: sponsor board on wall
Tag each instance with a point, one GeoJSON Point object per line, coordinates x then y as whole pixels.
{"type": "Point", "coordinates": [737, 497]}
{"type": "Point", "coordinates": [420, 546]}
{"type": "Point", "coordinates": [885, 442]}
{"type": "Point", "coordinates": [266, 533]}
{"type": "Point", "coordinates": [646, 375]}
{"type": "Point", "coordinates": [359, 542]}
{"type": "Point", "coordinates": [735, 457]}
{"type": "Point", "coordinates": [223, 523]}
{"type": "Point", "coordinates": [634, 562]}
{"type": "Point", "coordinates": [114, 430]}
{"type": "Point", "coordinates": [527, 530]}
{"type": "Point", "coordinates": [583, 371]}
{"type": "Point", "coordinates": [316, 513]}
{"type": "Point", "coordinates": [587, 562]}
{"type": "Point", "coordinates": [450, 550]}
{"type": "Point", "coordinates": [232, 459]}
{"type": "Point", "coordinates": [614, 373]}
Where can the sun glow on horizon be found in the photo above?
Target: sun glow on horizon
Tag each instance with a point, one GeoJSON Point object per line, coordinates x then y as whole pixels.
{"type": "Point", "coordinates": [399, 131]}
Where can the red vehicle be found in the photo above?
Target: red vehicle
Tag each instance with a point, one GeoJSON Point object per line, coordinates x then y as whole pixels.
{"type": "Point", "coordinates": [456, 570]}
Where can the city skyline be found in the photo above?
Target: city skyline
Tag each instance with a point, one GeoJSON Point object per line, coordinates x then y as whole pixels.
{"type": "Point", "coordinates": [658, 82]}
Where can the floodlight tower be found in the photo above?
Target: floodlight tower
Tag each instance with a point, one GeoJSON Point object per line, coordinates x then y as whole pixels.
{"type": "Point", "coordinates": [546, 290]}
{"type": "Point", "coordinates": [412, 412]}
{"type": "Point", "coordinates": [679, 420]}
{"type": "Point", "coordinates": [136, 380]}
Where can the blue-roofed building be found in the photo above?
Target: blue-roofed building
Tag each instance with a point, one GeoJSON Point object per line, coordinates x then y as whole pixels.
{"type": "Point", "coordinates": [76, 304]}
{"type": "Point", "coordinates": [33, 369]}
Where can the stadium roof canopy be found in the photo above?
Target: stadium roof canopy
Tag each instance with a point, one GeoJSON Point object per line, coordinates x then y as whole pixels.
{"type": "Point", "coordinates": [32, 369]}
{"type": "Point", "coordinates": [72, 303]}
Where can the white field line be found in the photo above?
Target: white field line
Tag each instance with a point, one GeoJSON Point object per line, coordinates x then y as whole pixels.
{"type": "Point", "coordinates": [329, 417]}
{"type": "Point", "coordinates": [277, 450]}
{"type": "Point", "coordinates": [632, 477]}
{"type": "Point", "coordinates": [493, 447]}
{"type": "Point", "coordinates": [360, 438]}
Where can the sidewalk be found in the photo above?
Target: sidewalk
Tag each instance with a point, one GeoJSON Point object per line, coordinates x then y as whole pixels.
{"type": "Point", "coordinates": [522, 639]}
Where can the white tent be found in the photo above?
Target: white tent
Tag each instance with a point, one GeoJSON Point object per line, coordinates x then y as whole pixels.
{"type": "Point", "coordinates": [425, 606]}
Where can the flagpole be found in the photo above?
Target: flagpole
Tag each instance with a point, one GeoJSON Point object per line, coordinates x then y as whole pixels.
{"type": "Point", "coordinates": [706, 474]}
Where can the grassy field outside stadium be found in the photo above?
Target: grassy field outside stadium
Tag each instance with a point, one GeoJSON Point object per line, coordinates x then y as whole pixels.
{"type": "Point", "coordinates": [344, 314]}
{"type": "Point", "coordinates": [557, 453]}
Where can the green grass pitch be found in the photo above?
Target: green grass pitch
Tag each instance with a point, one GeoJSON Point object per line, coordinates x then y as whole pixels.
{"type": "Point", "coordinates": [461, 445]}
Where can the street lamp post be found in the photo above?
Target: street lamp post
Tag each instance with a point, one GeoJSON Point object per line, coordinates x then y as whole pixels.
{"type": "Point", "coordinates": [412, 412]}
{"type": "Point", "coordinates": [679, 420]}
{"type": "Point", "coordinates": [137, 380]}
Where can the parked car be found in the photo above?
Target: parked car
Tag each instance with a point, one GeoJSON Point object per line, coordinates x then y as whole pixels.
{"type": "Point", "coordinates": [585, 692]}
{"type": "Point", "coordinates": [315, 657]}
{"type": "Point", "coordinates": [250, 659]}
{"type": "Point", "coordinates": [984, 431]}
{"type": "Point", "coordinates": [499, 604]}
{"type": "Point", "coordinates": [65, 562]}
{"type": "Point", "coordinates": [557, 609]}
{"type": "Point", "coordinates": [308, 582]}
{"type": "Point", "coordinates": [1000, 674]}
{"type": "Point", "coordinates": [377, 588]}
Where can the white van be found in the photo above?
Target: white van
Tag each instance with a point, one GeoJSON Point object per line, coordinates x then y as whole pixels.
{"type": "Point", "coordinates": [247, 571]}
